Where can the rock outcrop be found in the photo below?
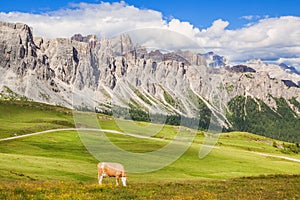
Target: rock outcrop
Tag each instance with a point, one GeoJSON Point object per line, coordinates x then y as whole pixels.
{"type": "Point", "coordinates": [93, 72]}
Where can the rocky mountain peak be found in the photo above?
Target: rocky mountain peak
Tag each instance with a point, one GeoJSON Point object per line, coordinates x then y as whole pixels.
{"type": "Point", "coordinates": [289, 69]}
{"type": "Point", "coordinates": [240, 68]}
{"type": "Point", "coordinates": [89, 72]}
{"type": "Point", "coordinates": [214, 60]}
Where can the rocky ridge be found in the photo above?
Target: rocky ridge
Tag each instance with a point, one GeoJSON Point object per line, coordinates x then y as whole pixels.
{"type": "Point", "coordinates": [85, 71]}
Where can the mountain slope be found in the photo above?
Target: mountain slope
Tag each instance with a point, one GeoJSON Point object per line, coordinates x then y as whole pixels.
{"type": "Point", "coordinates": [124, 79]}
{"type": "Point", "coordinates": [249, 114]}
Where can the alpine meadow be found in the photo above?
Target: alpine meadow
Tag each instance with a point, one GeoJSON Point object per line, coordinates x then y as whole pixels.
{"type": "Point", "coordinates": [124, 100]}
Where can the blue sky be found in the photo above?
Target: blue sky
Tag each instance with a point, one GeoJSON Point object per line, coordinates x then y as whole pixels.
{"type": "Point", "coordinates": [203, 13]}
{"type": "Point", "coordinates": [240, 30]}
{"type": "Point", "coordinates": [197, 12]}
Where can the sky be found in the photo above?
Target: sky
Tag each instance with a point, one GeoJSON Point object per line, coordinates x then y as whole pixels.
{"type": "Point", "coordinates": [240, 30]}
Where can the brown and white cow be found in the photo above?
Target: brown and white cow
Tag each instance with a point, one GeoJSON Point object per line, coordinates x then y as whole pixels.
{"type": "Point", "coordinates": [111, 170]}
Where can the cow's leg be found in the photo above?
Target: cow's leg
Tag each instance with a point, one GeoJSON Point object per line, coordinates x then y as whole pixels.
{"type": "Point", "coordinates": [100, 179]}
{"type": "Point", "coordinates": [123, 181]}
{"type": "Point", "coordinates": [123, 178]}
{"type": "Point", "coordinates": [100, 176]}
{"type": "Point", "coordinates": [117, 180]}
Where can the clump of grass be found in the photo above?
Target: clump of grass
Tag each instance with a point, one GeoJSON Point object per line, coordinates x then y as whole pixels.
{"type": "Point", "coordinates": [8, 95]}
{"type": "Point", "coordinates": [169, 99]}
{"type": "Point", "coordinates": [141, 96]}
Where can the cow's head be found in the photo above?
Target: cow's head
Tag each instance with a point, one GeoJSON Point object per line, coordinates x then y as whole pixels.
{"type": "Point", "coordinates": [124, 179]}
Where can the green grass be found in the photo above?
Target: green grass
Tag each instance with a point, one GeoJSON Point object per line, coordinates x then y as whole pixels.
{"type": "Point", "coordinates": [34, 167]}
{"type": "Point", "coordinates": [62, 156]}
{"type": "Point", "coordinates": [142, 97]}
{"type": "Point", "coordinates": [58, 156]}
{"type": "Point", "coordinates": [17, 118]}
{"type": "Point", "coordinates": [8, 95]}
{"type": "Point", "coordinates": [169, 99]}
{"type": "Point", "coordinates": [270, 187]}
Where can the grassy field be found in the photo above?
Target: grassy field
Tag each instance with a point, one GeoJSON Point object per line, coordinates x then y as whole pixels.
{"type": "Point", "coordinates": [18, 117]}
{"type": "Point", "coordinates": [58, 166]}
{"type": "Point", "coordinates": [62, 156]}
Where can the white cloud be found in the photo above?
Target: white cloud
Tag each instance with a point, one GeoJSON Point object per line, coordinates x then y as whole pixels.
{"type": "Point", "coordinates": [251, 17]}
{"type": "Point", "coordinates": [183, 27]}
{"type": "Point", "coordinates": [101, 19]}
{"type": "Point", "coordinates": [268, 38]}
{"type": "Point", "coordinates": [162, 38]}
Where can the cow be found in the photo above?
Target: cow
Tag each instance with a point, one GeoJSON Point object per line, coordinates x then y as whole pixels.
{"type": "Point", "coordinates": [111, 170]}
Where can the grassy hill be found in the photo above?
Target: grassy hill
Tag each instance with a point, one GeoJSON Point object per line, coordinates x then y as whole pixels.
{"type": "Point", "coordinates": [44, 161]}
{"type": "Point", "coordinates": [21, 117]}
{"type": "Point", "coordinates": [61, 156]}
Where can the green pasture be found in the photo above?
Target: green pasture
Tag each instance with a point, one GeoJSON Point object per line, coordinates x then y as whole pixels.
{"type": "Point", "coordinates": [60, 158]}
{"type": "Point", "coordinates": [18, 118]}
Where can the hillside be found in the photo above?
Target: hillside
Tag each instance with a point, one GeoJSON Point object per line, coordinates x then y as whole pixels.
{"type": "Point", "coordinates": [57, 165]}
{"type": "Point", "coordinates": [62, 155]}
{"type": "Point", "coordinates": [253, 115]}
{"type": "Point", "coordinates": [23, 117]}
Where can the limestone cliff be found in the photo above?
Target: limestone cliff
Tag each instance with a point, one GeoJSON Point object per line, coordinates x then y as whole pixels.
{"type": "Point", "coordinates": [86, 71]}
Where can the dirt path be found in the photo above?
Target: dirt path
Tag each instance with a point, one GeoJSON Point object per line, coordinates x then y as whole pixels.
{"type": "Point", "coordinates": [132, 135]}
{"type": "Point", "coordinates": [58, 130]}
{"type": "Point", "coordinates": [276, 156]}
{"type": "Point", "coordinates": [79, 129]}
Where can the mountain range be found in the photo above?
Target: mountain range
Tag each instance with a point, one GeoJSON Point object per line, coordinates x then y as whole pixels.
{"type": "Point", "coordinates": [116, 76]}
